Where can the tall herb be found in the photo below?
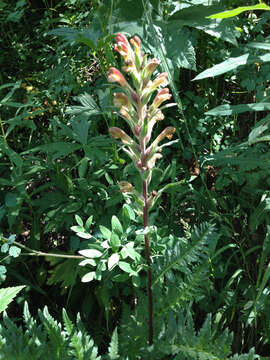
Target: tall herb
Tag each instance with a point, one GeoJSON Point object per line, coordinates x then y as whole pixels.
{"type": "Point", "coordinates": [141, 116]}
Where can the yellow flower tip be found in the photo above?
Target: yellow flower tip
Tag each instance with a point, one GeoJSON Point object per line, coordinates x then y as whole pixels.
{"type": "Point", "coordinates": [136, 42]}
{"type": "Point", "coordinates": [158, 116]}
{"type": "Point", "coordinates": [115, 75]}
{"type": "Point", "coordinates": [130, 66]}
{"type": "Point", "coordinates": [124, 112]}
{"type": "Point", "coordinates": [152, 161]}
{"type": "Point", "coordinates": [123, 50]}
{"type": "Point", "coordinates": [162, 95]}
{"type": "Point", "coordinates": [169, 131]}
{"type": "Point", "coordinates": [160, 80]}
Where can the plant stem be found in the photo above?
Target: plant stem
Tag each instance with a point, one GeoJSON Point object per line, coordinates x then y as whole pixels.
{"type": "Point", "coordinates": [149, 270]}
{"type": "Point", "coordinates": [40, 253]}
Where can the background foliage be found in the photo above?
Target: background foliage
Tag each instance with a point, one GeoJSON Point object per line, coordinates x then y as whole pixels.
{"type": "Point", "coordinates": [59, 174]}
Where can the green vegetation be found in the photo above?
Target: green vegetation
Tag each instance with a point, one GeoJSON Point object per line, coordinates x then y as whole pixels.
{"type": "Point", "coordinates": [155, 252]}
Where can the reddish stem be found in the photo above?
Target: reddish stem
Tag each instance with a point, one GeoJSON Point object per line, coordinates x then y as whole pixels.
{"type": "Point", "coordinates": [149, 270]}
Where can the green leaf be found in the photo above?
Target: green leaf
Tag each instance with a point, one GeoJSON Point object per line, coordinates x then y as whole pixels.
{"type": "Point", "coordinates": [120, 278]}
{"type": "Point", "coordinates": [89, 223]}
{"type": "Point", "coordinates": [63, 272]}
{"type": "Point", "coordinates": [77, 229]}
{"type": "Point", "coordinates": [88, 277]}
{"type": "Point", "coordinates": [126, 267]}
{"type": "Point", "coordinates": [224, 110]}
{"type": "Point", "coordinates": [91, 253]}
{"type": "Point", "coordinates": [7, 295]}
{"type": "Point", "coordinates": [59, 149]}
{"type": "Point", "coordinates": [225, 66]}
{"type": "Point", "coordinates": [113, 261]}
{"type": "Point", "coordinates": [83, 166]}
{"type": "Point", "coordinates": [177, 44]}
{"type": "Point", "coordinates": [79, 221]}
{"type": "Point", "coordinates": [4, 248]}
{"type": "Point", "coordinates": [116, 225]}
{"type": "Point", "coordinates": [105, 232]}
{"type": "Point", "coordinates": [197, 17]}
{"type": "Point", "coordinates": [10, 200]}
{"type": "Point", "coordinates": [113, 347]}
{"type": "Point", "coordinates": [115, 242]}
{"type": "Point", "coordinates": [14, 251]}
{"type": "Point", "coordinates": [239, 10]}
{"type": "Point", "coordinates": [260, 127]}
{"type": "Point", "coordinates": [85, 262]}
{"type": "Point", "coordinates": [259, 45]}
{"type": "Point", "coordinates": [128, 213]}
{"type": "Point", "coordinates": [89, 106]}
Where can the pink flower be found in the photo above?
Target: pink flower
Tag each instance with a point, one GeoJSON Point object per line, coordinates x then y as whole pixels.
{"type": "Point", "coordinates": [150, 68]}
{"type": "Point", "coordinates": [120, 99]}
{"type": "Point", "coordinates": [136, 42]}
{"type": "Point", "coordinates": [123, 47]}
{"type": "Point", "coordinates": [124, 112]}
{"type": "Point", "coordinates": [120, 38]}
{"type": "Point", "coordinates": [118, 133]}
{"type": "Point", "coordinates": [167, 132]}
{"type": "Point", "coordinates": [162, 95]}
{"type": "Point", "coordinates": [115, 75]}
{"type": "Point", "coordinates": [160, 80]}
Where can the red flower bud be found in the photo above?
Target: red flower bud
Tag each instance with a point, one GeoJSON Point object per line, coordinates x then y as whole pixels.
{"type": "Point", "coordinates": [115, 75]}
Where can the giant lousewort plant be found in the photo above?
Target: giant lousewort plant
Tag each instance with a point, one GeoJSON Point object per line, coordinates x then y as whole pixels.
{"type": "Point", "coordinates": [141, 110]}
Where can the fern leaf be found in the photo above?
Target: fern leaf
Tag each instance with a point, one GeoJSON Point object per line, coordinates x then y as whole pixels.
{"type": "Point", "coordinates": [113, 347]}
{"type": "Point", "coordinates": [184, 253]}
{"type": "Point", "coordinates": [7, 295]}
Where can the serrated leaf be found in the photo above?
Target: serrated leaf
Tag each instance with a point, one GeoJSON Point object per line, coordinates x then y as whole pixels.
{"type": "Point", "coordinates": [116, 225]}
{"type": "Point", "coordinates": [196, 16]}
{"type": "Point", "coordinates": [113, 260]}
{"type": "Point", "coordinates": [177, 44]}
{"type": "Point", "coordinates": [7, 295]}
{"type": "Point", "coordinates": [91, 253]}
{"type": "Point", "coordinates": [88, 277]}
{"type": "Point", "coordinates": [113, 347]}
{"type": "Point", "coordinates": [64, 273]}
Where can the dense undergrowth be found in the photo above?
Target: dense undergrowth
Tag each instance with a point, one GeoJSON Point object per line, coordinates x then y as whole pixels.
{"type": "Point", "coordinates": [61, 175]}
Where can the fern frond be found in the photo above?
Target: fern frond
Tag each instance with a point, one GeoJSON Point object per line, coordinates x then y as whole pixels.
{"type": "Point", "coordinates": [187, 344]}
{"type": "Point", "coordinates": [113, 347]}
{"type": "Point", "coordinates": [81, 345]}
{"type": "Point", "coordinates": [185, 252]}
